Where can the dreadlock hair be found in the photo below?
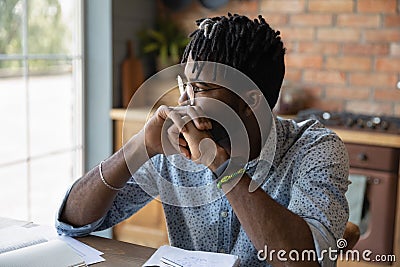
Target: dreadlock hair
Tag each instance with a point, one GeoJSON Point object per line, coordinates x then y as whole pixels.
{"type": "Point", "coordinates": [250, 46]}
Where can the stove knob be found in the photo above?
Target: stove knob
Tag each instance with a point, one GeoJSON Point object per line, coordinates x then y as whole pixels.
{"type": "Point", "coordinates": [376, 120]}
{"type": "Point", "coordinates": [326, 115]}
{"type": "Point", "coordinates": [360, 123]}
{"type": "Point", "coordinates": [349, 122]}
{"type": "Point", "coordinates": [370, 124]}
{"type": "Point", "coordinates": [385, 125]}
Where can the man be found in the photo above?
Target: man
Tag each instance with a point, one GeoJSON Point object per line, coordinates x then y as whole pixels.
{"type": "Point", "coordinates": [300, 204]}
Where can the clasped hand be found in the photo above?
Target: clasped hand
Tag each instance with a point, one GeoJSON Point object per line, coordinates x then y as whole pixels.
{"type": "Point", "coordinates": [183, 129]}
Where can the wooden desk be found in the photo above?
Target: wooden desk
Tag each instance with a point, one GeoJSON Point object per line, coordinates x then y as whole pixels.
{"type": "Point", "coordinates": [118, 253]}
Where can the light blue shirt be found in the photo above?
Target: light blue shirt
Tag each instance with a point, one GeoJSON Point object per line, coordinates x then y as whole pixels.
{"type": "Point", "coordinates": [308, 176]}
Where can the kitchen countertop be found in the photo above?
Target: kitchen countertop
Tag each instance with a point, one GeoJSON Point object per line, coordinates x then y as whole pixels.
{"type": "Point", "coordinates": [348, 136]}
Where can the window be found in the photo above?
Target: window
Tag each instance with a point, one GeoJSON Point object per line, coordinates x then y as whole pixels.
{"type": "Point", "coordinates": [40, 105]}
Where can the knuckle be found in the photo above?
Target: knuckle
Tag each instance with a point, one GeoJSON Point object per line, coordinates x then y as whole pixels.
{"type": "Point", "coordinates": [163, 107]}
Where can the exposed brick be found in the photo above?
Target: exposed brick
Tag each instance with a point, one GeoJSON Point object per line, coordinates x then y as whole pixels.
{"type": "Point", "coordinates": [391, 21]}
{"type": "Point", "coordinates": [348, 63]}
{"type": "Point", "coordinates": [282, 6]}
{"type": "Point", "coordinates": [353, 20]}
{"type": "Point", "coordinates": [240, 7]}
{"type": "Point", "coordinates": [337, 6]}
{"type": "Point", "coordinates": [304, 61]}
{"type": "Point", "coordinates": [395, 49]}
{"type": "Point", "coordinates": [369, 107]}
{"type": "Point", "coordinates": [348, 93]}
{"type": "Point", "coordinates": [377, 6]}
{"type": "Point", "coordinates": [290, 46]}
{"type": "Point", "coordinates": [313, 91]}
{"type": "Point", "coordinates": [339, 35]}
{"type": "Point", "coordinates": [276, 21]}
{"type": "Point", "coordinates": [328, 104]}
{"type": "Point", "coordinates": [324, 77]}
{"type": "Point", "coordinates": [373, 79]}
{"type": "Point", "coordinates": [297, 34]}
{"type": "Point", "coordinates": [318, 48]}
{"type": "Point", "coordinates": [365, 49]}
{"type": "Point", "coordinates": [382, 36]}
{"type": "Point", "coordinates": [311, 19]}
{"type": "Point", "coordinates": [387, 94]}
{"type": "Point", "coordinates": [293, 75]}
{"type": "Point", "coordinates": [397, 110]}
{"type": "Point", "coordinates": [388, 64]}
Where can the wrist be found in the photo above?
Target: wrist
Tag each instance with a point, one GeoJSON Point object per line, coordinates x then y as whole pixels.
{"type": "Point", "coordinates": [220, 158]}
{"type": "Point", "coordinates": [141, 139]}
{"type": "Point", "coordinates": [231, 171]}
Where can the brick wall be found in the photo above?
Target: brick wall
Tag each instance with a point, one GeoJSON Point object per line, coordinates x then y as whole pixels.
{"type": "Point", "coordinates": [344, 53]}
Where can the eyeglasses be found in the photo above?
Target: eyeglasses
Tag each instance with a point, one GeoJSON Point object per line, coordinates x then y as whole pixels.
{"type": "Point", "coordinates": [191, 89]}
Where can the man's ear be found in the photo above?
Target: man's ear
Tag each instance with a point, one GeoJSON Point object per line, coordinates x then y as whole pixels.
{"type": "Point", "coordinates": [253, 99]}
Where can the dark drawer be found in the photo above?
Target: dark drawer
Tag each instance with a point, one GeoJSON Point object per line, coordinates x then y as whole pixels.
{"type": "Point", "coordinates": [373, 157]}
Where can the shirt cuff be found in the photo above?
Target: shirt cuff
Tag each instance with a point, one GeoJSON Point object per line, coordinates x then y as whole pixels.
{"type": "Point", "coordinates": [324, 242]}
{"type": "Point", "coordinates": [69, 230]}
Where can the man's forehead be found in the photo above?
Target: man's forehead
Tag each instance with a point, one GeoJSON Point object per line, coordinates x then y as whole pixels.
{"type": "Point", "coordinates": [204, 71]}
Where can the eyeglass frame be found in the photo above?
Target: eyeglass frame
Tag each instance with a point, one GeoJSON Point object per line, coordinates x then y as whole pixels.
{"type": "Point", "coordinates": [194, 89]}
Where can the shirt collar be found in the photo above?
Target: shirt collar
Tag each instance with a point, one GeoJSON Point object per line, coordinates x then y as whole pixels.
{"type": "Point", "coordinates": [270, 152]}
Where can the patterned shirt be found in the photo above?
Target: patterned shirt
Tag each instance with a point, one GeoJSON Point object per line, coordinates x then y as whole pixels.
{"type": "Point", "coordinates": [308, 176]}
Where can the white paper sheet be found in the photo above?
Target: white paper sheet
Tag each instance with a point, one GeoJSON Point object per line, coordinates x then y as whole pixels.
{"type": "Point", "coordinates": [17, 234]}
{"type": "Point", "coordinates": [89, 254]}
{"type": "Point", "coordinates": [188, 258]}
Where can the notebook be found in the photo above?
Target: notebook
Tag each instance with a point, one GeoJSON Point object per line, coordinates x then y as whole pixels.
{"type": "Point", "coordinates": [169, 256]}
{"type": "Point", "coordinates": [21, 247]}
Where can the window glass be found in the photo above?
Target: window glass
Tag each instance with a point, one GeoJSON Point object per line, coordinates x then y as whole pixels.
{"type": "Point", "coordinates": [40, 105]}
{"type": "Point", "coordinates": [11, 14]}
{"type": "Point", "coordinates": [50, 106]}
{"type": "Point", "coordinates": [49, 27]}
{"type": "Point", "coordinates": [13, 113]}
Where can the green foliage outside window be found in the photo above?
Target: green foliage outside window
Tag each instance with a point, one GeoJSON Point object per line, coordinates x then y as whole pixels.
{"type": "Point", "coordinates": [47, 33]}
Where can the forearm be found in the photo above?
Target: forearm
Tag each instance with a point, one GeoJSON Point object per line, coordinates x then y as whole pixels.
{"type": "Point", "coordinates": [267, 223]}
{"type": "Point", "coordinates": [90, 199]}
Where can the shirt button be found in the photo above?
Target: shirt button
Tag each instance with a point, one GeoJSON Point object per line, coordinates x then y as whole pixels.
{"type": "Point", "coordinates": [222, 250]}
{"type": "Point", "coordinates": [224, 214]}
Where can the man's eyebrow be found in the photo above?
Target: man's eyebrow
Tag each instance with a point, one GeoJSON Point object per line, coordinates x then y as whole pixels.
{"type": "Point", "coordinates": [203, 83]}
{"type": "Point", "coordinates": [199, 82]}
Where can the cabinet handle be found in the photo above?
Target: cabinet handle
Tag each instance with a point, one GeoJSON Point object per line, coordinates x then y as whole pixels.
{"type": "Point", "coordinates": [362, 157]}
{"type": "Point", "coordinates": [372, 180]}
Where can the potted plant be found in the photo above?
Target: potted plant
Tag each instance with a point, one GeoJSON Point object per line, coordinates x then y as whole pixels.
{"type": "Point", "coordinates": [166, 42]}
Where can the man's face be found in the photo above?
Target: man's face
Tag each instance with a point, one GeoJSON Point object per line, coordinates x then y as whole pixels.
{"type": "Point", "coordinates": [206, 79]}
{"type": "Point", "coordinates": [213, 98]}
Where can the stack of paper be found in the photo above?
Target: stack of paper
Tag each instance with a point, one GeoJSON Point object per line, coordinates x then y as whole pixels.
{"type": "Point", "coordinates": [26, 244]}
{"type": "Point", "coordinates": [172, 256]}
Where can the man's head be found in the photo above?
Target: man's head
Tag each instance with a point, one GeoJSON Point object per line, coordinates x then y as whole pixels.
{"type": "Point", "coordinates": [249, 46]}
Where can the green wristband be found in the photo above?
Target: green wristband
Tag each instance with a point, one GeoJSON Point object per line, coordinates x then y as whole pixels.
{"type": "Point", "coordinates": [229, 177]}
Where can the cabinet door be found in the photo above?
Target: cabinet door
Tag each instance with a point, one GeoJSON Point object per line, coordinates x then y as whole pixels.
{"type": "Point", "coordinates": [378, 226]}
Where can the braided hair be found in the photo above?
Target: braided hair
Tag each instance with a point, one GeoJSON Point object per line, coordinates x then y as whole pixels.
{"type": "Point", "coordinates": [250, 46]}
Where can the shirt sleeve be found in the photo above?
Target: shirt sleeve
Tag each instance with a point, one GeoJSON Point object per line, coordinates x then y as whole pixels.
{"type": "Point", "coordinates": [324, 242]}
{"type": "Point", "coordinates": [128, 201]}
{"type": "Point", "coordinates": [318, 192]}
